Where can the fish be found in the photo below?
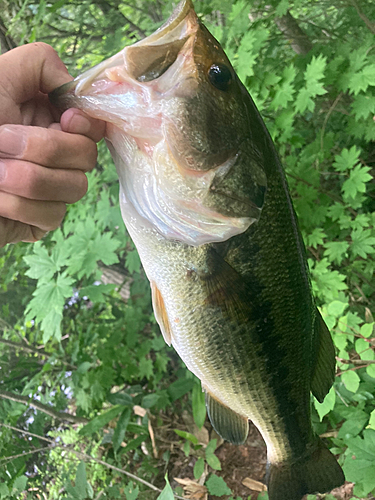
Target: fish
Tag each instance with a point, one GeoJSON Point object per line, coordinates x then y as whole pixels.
{"type": "Point", "coordinates": [205, 199]}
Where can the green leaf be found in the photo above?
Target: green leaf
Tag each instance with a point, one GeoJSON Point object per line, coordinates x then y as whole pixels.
{"type": "Point", "coordinates": [187, 435]}
{"type": "Point", "coordinates": [362, 79]}
{"type": "Point", "coordinates": [353, 425]}
{"type": "Point", "coordinates": [213, 461]}
{"type": "Point", "coordinates": [133, 262]}
{"type": "Point", "coordinates": [350, 380]}
{"type": "Point", "coordinates": [367, 329]}
{"type": "Point", "coordinates": [363, 105]}
{"type": "Point", "coordinates": [371, 423]}
{"type": "Point", "coordinates": [120, 398]}
{"type": "Point", "coordinates": [20, 484]}
{"type": "Point", "coordinates": [211, 447]}
{"type": "Point", "coordinates": [347, 159]}
{"type": "Point", "coordinates": [41, 264]}
{"type": "Point", "coordinates": [150, 400]}
{"type": "Point", "coordinates": [336, 251]}
{"type": "Point", "coordinates": [316, 237]}
{"type": "Point", "coordinates": [131, 491]}
{"type": "Point", "coordinates": [217, 486]}
{"type": "Point", "coordinates": [48, 303]}
{"type": "Point", "coordinates": [167, 493]}
{"type": "Point", "coordinates": [336, 308]}
{"type": "Point", "coordinates": [364, 350]}
{"type": "Point", "coordinates": [186, 448]}
{"type": "Point", "coordinates": [363, 243]}
{"type": "Point", "coordinates": [199, 405]}
{"type": "Point", "coordinates": [356, 183]}
{"type": "Point", "coordinates": [96, 292]}
{"type": "Point", "coordinates": [327, 405]}
{"type": "Point", "coordinates": [199, 468]}
{"type": "Point", "coordinates": [100, 421]}
{"type": "Point", "coordinates": [371, 370]}
{"type": "Point", "coordinates": [179, 388]}
{"type": "Point", "coordinates": [81, 480]}
{"type": "Point", "coordinates": [122, 425]}
{"type": "Point", "coordinates": [4, 490]}
{"type": "Point", "coordinates": [145, 368]}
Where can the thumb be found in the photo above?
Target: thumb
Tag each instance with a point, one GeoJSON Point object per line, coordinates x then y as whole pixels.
{"type": "Point", "coordinates": [30, 69]}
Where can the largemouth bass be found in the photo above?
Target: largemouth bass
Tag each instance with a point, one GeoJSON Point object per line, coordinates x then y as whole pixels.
{"type": "Point", "coordinates": [204, 197]}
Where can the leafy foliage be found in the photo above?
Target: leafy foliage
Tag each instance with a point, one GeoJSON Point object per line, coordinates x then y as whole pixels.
{"type": "Point", "coordinates": [71, 335]}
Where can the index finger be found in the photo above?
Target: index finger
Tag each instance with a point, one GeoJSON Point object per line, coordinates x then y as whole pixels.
{"type": "Point", "coordinates": [34, 67]}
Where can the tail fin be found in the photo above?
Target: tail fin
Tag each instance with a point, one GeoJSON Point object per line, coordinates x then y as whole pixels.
{"type": "Point", "coordinates": [318, 472]}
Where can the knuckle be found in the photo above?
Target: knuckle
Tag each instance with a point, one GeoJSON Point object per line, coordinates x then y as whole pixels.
{"type": "Point", "coordinates": [82, 185]}
{"type": "Point", "coordinates": [31, 182]}
{"type": "Point", "coordinates": [59, 211]}
{"type": "Point", "coordinates": [44, 47]}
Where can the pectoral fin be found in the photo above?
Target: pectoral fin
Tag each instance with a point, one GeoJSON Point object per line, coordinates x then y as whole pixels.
{"type": "Point", "coordinates": [324, 372]}
{"type": "Point", "coordinates": [160, 313]}
{"type": "Point", "coordinates": [227, 423]}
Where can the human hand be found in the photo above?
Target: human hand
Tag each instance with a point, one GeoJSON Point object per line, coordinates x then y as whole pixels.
{"type": "Point", "coordinates": [42, 162]}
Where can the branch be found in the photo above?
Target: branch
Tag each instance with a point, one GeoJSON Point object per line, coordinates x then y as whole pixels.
{"type": "Point", "coordinates": [289, 27]}
{"type": "Point", "coordinates": [43, 408]}
{"type": "Point", "coordinates": [21, 431]}
{"type": "Point", "coordinates": [368, 23]}
{"type": "Point", "coordinates": [13, 457]}
{"type": "Point", "coordinates": [33, 350]}
{"type": "Point", "coordinates": [121, 471]}
{"type": "Point", "coordinates": [89, 457]}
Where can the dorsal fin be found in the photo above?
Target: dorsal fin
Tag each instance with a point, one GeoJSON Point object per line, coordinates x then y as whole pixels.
{"type": "Point", "coordinates": [323, 374]}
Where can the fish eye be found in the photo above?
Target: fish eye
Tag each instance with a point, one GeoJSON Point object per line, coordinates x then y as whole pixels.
{"type": "Point", "coordinates": [220, 76]}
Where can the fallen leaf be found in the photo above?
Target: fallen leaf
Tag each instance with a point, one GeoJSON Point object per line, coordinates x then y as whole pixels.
{"type": "Point", "coordinates": [254, 485]}
{"type": "Point", "coordinates": [192, 489]}
{"type": "Point", "coordinates": [139, 411]}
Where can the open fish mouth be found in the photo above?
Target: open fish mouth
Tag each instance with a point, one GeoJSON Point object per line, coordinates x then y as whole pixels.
{"type": "Point", "coordinates": [142, 62]}
{"type": "Point", "coordinates": [173, 156]}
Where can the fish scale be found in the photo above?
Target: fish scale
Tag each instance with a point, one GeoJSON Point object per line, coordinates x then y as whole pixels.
{"type": "Point", "coordinates": [205, 200]}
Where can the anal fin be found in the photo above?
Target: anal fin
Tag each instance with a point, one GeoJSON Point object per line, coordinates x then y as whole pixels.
{"type": "Point", "coordinates": [227, 423]}
{"type": "Point", "coordinates": [323, 374]}
{"type": "Point", "coordinates": [160, 313]}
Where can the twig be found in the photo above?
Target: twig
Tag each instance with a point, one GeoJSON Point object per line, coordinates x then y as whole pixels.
{"type": "Point", "coordinates": [21, 431]}
{"type": "Point", "coordinates": [357, 361]}
{"type": "Point", "coordinates": [338, 374]}
{"type": "Point", "coordinates": [89, 457]}
{"type": "Point", "coordinates": [368, 23]}
{"type": "Point", "coordinates": [12, 457]}
{"type": "Point", "coordinates": [122, 471]}
{"type": "Point", "coordinates": [43, 408]}
{"type": "Point", "coordinates": [330, 195]}
{"type": "Point", "coordinates": [330, 111]}
{"type": "Point", "coordinates": [33, 350]}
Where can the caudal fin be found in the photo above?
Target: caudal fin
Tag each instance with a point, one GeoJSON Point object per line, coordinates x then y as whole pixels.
{"type": "Point", "coordinates": [319, 472]}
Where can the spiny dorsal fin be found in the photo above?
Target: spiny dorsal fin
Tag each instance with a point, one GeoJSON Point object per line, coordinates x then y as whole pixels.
{"type": "Point", "coordinates": [324, 371]}
{"type": "Point", "coordinates": [160, 313]}
{"type": "Point", "coordinates": [227, 423]}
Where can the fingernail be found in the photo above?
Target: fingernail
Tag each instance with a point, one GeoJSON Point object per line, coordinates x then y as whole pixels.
{"type": "Point", "coordinates": [79, 124]}
{"type": "Point", "coordinates": [12, 141]}
{"type": "Point", "coordinates": [3, 171]}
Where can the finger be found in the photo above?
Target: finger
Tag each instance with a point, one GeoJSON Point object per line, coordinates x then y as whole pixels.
{"type": "Point", "coordinates": [34, 67]}
{"type": "Point", "coordinates": [12, 231]}
{"type": "Point", "coordinates": [77, 122]}
{"type": "Point", "coordinates": [47, 147]}
{"type": "Point", "coordinates": [46, 215]}
{"type": "Point", "coordinates": [40, 183]}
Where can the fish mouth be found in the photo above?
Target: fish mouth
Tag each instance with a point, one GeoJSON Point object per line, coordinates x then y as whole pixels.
{"type": "Point", "coordinates": [143, 62]}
